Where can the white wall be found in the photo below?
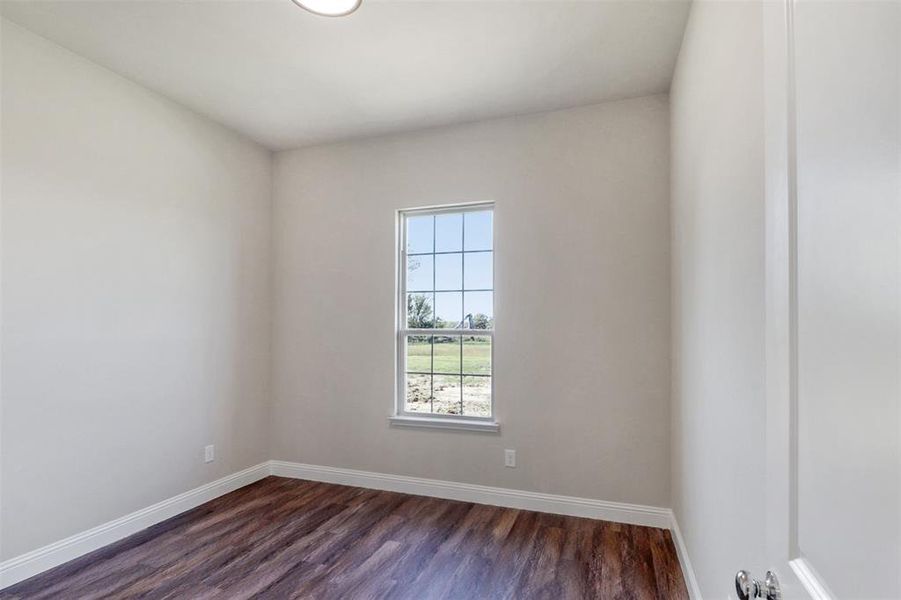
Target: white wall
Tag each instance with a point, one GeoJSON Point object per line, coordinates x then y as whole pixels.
{"type": "Point", "coordinates": [135, 257]}
{"type": "Point", "coordinates": [719, 405]}
{"type": "Point", "coordinates": [582, 300]}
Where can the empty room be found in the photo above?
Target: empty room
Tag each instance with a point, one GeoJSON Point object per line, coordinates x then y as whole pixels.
{"type": "Point", "coordinates": [450, 299]}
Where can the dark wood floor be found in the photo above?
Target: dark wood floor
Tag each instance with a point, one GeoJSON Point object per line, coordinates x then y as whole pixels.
{"type": "Point", "coordinates": [285, 538]}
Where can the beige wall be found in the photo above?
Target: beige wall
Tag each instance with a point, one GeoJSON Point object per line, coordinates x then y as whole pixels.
{"type": "Point", "coordinates": [135, 253]}
{"type": "Point", "coordinates": [582, 300]}
{"type": "Point", "coordinates": [719, 404]}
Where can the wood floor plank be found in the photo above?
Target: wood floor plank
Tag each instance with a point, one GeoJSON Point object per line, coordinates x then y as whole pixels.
{"type": "Point", "coordinates": [290, 539]}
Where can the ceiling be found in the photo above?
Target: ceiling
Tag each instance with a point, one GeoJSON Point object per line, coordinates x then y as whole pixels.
{"type": "Point", "coordinates": [288, 78]}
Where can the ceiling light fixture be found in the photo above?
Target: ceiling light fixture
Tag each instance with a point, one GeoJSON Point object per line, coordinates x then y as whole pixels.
{"type": "Point", "coordinates": [329, 8]}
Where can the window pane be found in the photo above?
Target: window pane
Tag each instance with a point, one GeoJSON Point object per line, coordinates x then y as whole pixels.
{"type": "Point", "coordinates": [419, 273]}
{"type": "Point", "coordinates": [419, 353]}
{"type": "Point", "coordinates": [420, 232]}
{"type": "Point", "coordinates": [449, 272]}
{"type": "Point", "coordinates": [480, 306]}
{"type": "Point", "coordinates": [419, 311]}
{"type": "Point", "coordinates": [477, 396]}
{"type": "Point", "coordinates": [478, 234]}
{"type": "Point", "coordinates": [449, 233]}
{"type": "Point", "coordinates": [448, 309]}
{"type": "Point", "coordinates": [446, 394]}
{"type": "Point", "coordinates": [419, 392]}
{"type": "Point", "coordinates": [447, 354]}
{"type": "Point", "coordinates": [477, 355]}
{"type": "Point", "coordinates": [478, 271]}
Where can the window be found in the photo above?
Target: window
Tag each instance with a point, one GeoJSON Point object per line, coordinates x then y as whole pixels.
{"type": "Point", "coordinates": [445, 332]}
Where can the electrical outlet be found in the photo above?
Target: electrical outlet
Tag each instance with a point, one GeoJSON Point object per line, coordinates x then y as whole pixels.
{"type": "Point", "coordinates": [209, 453]}
{"type": "Point", "coordinates": [510, 458]}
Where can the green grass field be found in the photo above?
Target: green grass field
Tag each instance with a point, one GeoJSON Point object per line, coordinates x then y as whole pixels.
{"type": "Point", "coordinates": [476, 355]}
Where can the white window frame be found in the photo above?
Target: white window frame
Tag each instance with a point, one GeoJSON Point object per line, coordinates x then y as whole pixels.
{"type": "Point", "coordinates": [402, 417]}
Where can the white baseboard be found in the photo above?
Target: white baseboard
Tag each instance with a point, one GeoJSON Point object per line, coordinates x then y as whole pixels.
{"type": "Point", "coordinates": [31, 563]}
{"type": "Point", "coordinates": [691, 582]}
{"type": "Point", "coordinates": [634, 514]}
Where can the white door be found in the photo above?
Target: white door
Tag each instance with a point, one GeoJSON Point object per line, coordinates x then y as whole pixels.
{"type": "Point", "coordinates": [833, 81]}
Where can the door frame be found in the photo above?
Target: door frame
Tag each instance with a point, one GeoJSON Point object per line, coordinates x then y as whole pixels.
{"type": "Point", "coordinates": [798, 578]}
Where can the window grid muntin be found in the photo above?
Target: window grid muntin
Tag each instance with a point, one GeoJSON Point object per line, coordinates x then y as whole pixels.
{"type": "Point", "coordinates": [458, 291]}
{"type": "Point", "coordinates": [448, 374]}
{"type": "Point", "coordinates": [448, 251]}
{"type": "Point", "coordinates": [460, 332]}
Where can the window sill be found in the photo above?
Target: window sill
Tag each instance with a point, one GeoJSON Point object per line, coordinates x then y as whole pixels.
{"type": "Point", "coordinates": [453, 424]}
